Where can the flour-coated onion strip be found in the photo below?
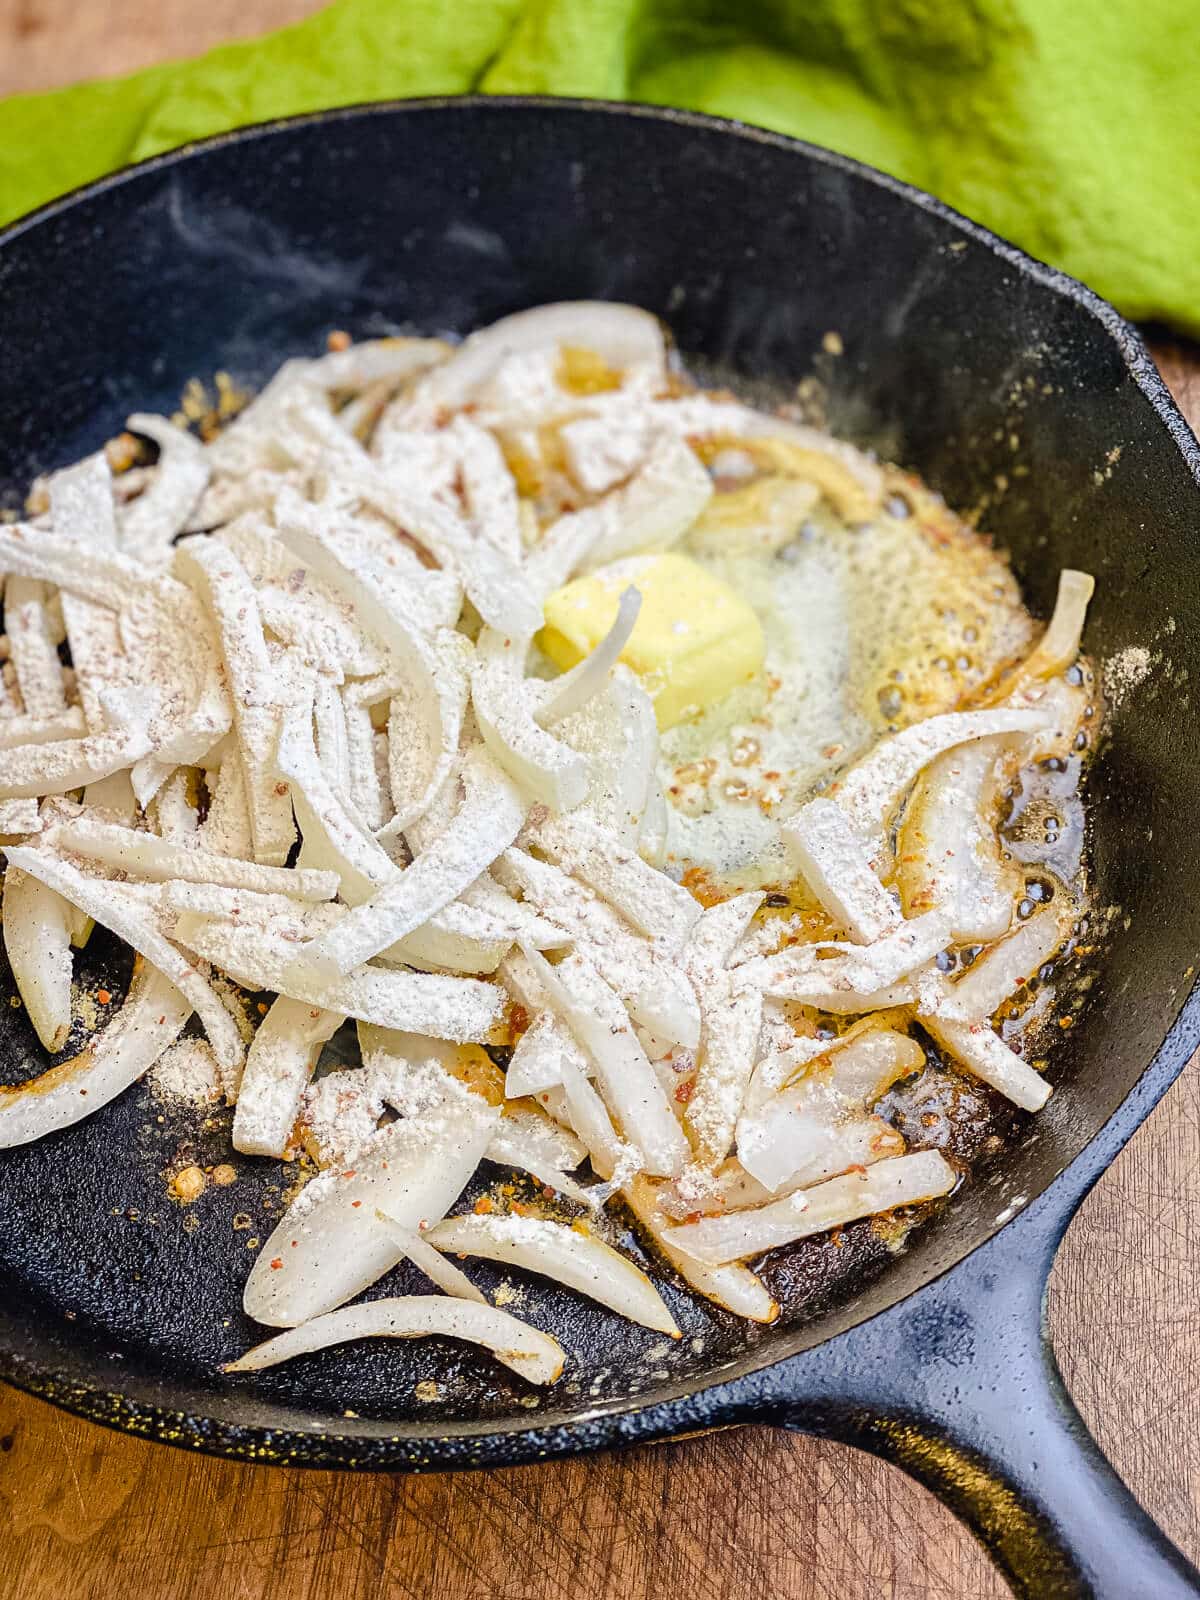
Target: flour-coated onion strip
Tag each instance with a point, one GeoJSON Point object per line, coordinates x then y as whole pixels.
{"type": "Point", "coordinates": [250, 906]}
{"type": "Point", "coordinates": [547, 770]}
{"type": "Point", "coordinates": [532, 1354]}
{"type": "Point", "coordinates": [142, 855]}
{"type": "Point", "coordinates": [113, 907]}
{"type": "Point", "coordinates": [617, 735]}
{"type": "Point", "coordinates": [537, 1059]}
{"type": "Point", "coordinates": [330, 1241]}
{"type": "Point", "coordinates": [984, 1053]}
{"type": "Point", "coordinates": [993, 977]}
{"type": "Point", "coordinates": [622, 335]}
{"type": "Point", "coordinates": [19, 817]}
{"type": "Point", "coordinates": [195, 712]}
{"type": "Point", "coordinates": [81, 502]}
{"type": "Point", "coordinates": [105, 576]}
{"type": "Point", "coordinates": [226, 828]}
{"type": "Point", "coordinates": [149, 523]}
{"type": "Point", "coordinates": [948, 851]}
{"type": "Point", "coordinates": [151, 1019]}
{"type": "Point", "coordinates": [837, 868]}
{"type": "Point", "coordinates": [488, 486]}
{"type": "Point", "coordinates": [37, 941]}
{"type": "Point", "coordinates": [23, 729]}
{"type": "Point", "coordinates": [652, 902]}
{"type": "Point", "coordinates": [588, 677]}
{"type": "Point", "coordinates": [530, 1141]}
{"type": "Point", "coordinates": [443, 1274]}
{"type": "Point", "coordinates": [555, 1250]}
{"type": "Point", "coordinates": [421, 748]}
{"type": "Point", "coordinates": [33, 649]}
{"type": "Point", "coordinates": [657, 994]}
{"type": "Point", "coordinates": [364, 784]}
{"type": "Point", "coordinates": [329, 717]}
{"type": "Point", "coordinates": [226, 589]}
{"type": "Point", "coordinates": [901, 1181]}
{"type": "Point", "coordinates": [369, 361]}
{"type": "Point", "coordinates": [800, 970]}
{"type": "Point", "coordinates": [652, 511]}
{"type": "Point", "coordinates": [455, 939]}
{"type": "Point", "coordinates": [488, 820]}
{"type": "Point", "coordinates": [443, 1007]}
{"type": "Point", "coordinates": [333, 834]}
{"type": "Point", "coordinates": [64, 764]}
{"type": "Point", "coordinates": [872, 789]}
{"type": "Point", "coordinates": [279, 1065]}
{"type": "Point", "coordinates": [792, 1145]}
{"type": "Point", "coordinates": [627, 1081]}
{"type": "Point", "coordinates": [732, 1286]}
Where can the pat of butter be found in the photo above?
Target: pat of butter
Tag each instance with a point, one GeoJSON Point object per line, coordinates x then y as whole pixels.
{"type": "Point", "coordinates": [695, 638]}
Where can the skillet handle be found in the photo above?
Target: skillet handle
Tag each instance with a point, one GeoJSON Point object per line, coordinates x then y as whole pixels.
{"type": "Point", "coordinates": [959, 1386]}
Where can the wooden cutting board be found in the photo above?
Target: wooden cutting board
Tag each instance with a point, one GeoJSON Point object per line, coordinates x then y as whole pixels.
{"type": "Point", "coordinates": [92, 1515]}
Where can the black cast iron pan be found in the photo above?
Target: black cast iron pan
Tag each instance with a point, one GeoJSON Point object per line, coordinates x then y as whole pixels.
{"type": "Point", "coordinates": [441, 216]}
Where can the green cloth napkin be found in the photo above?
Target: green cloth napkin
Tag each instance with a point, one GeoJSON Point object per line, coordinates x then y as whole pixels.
{"type": "Point", "coordinates": [1070, 126]}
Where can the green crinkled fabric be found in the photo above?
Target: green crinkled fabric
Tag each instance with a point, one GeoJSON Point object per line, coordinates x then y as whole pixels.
{"type": "Point", "coordinates": [1069, 126]}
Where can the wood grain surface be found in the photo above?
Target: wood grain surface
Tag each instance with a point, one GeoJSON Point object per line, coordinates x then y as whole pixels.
{"type": "Point", "coordinates": [90, 1515]}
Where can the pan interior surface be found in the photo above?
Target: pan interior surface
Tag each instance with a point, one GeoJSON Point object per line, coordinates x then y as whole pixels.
{"type": "Point", "coordinates": [1008, 390]}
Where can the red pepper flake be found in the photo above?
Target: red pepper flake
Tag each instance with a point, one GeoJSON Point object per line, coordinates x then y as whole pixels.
{"type": "Point", "coordinates": [338, 339]}
{"type": "Point", "coordinates": [483, 1205]}
{"type": "Point", "coordinates": [276, 1264]}
{"type": "Point", "coordinates": [683, 1091]}
{"type": "Point", "coordinates": [103, 996]}
{"type": "Point", "coordinates": [353, 1173]}
{"type": "Point", "coordinates": [354, 1204]}
{"type": "Point", "coordinates": [281, 789]}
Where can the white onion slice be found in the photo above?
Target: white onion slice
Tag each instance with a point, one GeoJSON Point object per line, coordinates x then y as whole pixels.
{"type": "Point", "coordinates": [588, 677]}
{"type": "Point", "coordinates": [628, 1083]}
{"type": "Point", "coordinates": [870, 792]}
{"type": "Point", "coordinates": [33, 648]}
{"type": "Point", "coordinates": [555, 1250]}
{"type": "Point", "coordinates": [142, 855]}
{"type": "Point", "coordinates": [537, 1059]}
{"type": "Point", "coordinates": [948, 853]}
{"type": "Point", "coordinates": [901, 1181]}
{"type": "Point", "coordinates": [652, 902]}
{"type": "Point", "coordinates": [152, 1017]}
{"type": "Point", "coordinates": [488, 820]}
{"type": "Point", "coordinates": [984, 1053]}
{"type": "Point", "coordinates": [995, 975]}
{"type": "Point", "coordinates": [530, 1141]}
{"type": "Point", "coordinates": [838, 870]}
{"type": "Point", "coordinates": [37, 940]}
{"type": "Point", "coordinates": [19, 817]}
{"type": "Point", "coordinates": [790, 1144]}
{"type": "Point", "coordinates": [103, 576]}
{"type": "Point", "coordinates": [149, 523]}
{"type": "Point", "coordinates": [1060, 644]}
{"type": "Point", "coordinates": [113, 907]}
{"type": "Point", "coordinates": [443, 1274]}
{"type": "Point", "coordinates": [731, 1286]}
{"type": "Point", "coordinates": [331, 1247]}
{"type": "Point", "coordinates": [804, 971]}
{"type": "Point", "coordinates": [488, 487]}
{"type": "Point", "coordinates": [279, 1065]}
{"type": "Point", "coordinates": [22, 729]}
{"type": "Point", "coordinates": [528, 1351]}
{"type": "Point", "coordinates": [443, 1007]}
{"type": "Point", "coordinates": [617, 735]}
{"type": "Point", "coordinates": [37, 770]}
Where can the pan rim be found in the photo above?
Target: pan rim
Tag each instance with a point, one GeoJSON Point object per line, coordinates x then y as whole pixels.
{"type": "Point", "coordinates": [711, 1404]}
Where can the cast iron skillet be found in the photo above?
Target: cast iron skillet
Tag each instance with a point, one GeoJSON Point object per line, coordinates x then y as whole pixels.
{"type": "Point", "coordinates": [440, 216]}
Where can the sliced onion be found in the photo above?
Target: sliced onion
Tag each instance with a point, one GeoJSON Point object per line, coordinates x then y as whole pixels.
{"type": "Point", "coordinates": [586, 679]}
{"type": "Point", "coordinates": [791, 1143]}
{"type": "Point", "coordinates": [151, 1019]}
{"type": "Point", "coordinates": [420, 760]}
{"type": "Point", "coordinates": [657, 994]}
{"type": "Point", "coordinates": [999, 972]}
{"type": "Point", "coordinates": [546, 769]}
{"type": "Point", "coordinates": [97, 574]}
{"type": "Point", "coordinates": [37, 940]}
{"type": "Point", "coordinates": [457, 939]}
{"type": "Point", "coordinates": [530, 1141]}
{"type": "Point", "coordinates": [443, 1007]}
{"type": "Point", "coordinates": [901, 1181]}
{"type": "Point", "coordinates": [873, 788]}
{"type": "Point", "coordinates": [22, 729]}
{"type": "Point", "coordinates": [150, 523]}
{"type": "Point", "coordinates": [622, 335]}
{"type": "Point", "coordinates": [537, 1059]}
{"type": "Point", "coordinates": [279, 1065]}
{"type": "Point", "coordinates": [111, 905]}
{"type": "Point", "coordinates": [488, 487]}
{"type": "Point", "coordinates": [36, 770]}
{"type": "Point", "coordinates": [443, 1274]}
{"type": "Point", "coordinates": [228, 594]}
{"type": "Point", "coordinates": [807, 972]}
{"type": "Point", "coordinates": [617, 735]}
{"type": "Point", "coordinates": [1059, 646]}
{"type": "Point", "coordinates": [652, 902]}
{"type": "Point", "coordinates": [984, 1053]}
{"type": "Point", "coordinates": [19, 817]}
{"type": "Point", "coordinates": [838, 870]}
{"type": "Point", "coordinates": [331, 1248]}
{"type": "Point", "coordinates": [734, 1287]}
{"type": "Point", "coordinates": [142, 855]}
{"type": "Point", "coordinates": [948, 853]}
{"type": "Point", "coordinates": [630, 1088]}
{"type": "Point", "coordinates": [33, 648]}
{"type": "Point", "coordinates": [488, 820]}
{"type": "Point", "coordinates": [555, 1250]}
{"type": "Point", "coordinates": [528, 1351]}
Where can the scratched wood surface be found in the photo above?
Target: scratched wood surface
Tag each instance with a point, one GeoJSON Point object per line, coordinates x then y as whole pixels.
{"type": "Point", "coordinates": [89, 1515]}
